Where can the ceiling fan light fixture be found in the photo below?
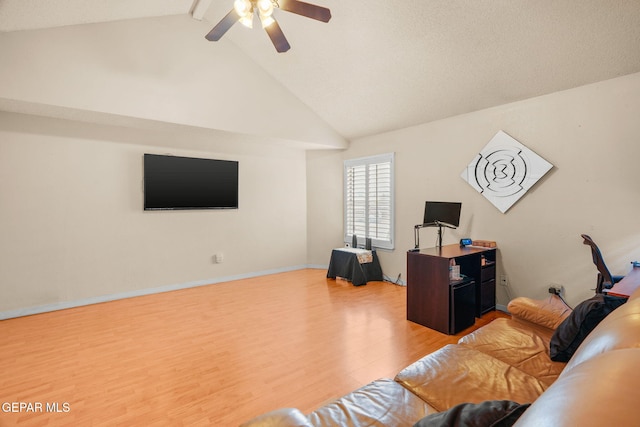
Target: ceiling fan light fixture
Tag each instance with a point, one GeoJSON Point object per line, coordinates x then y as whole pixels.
{"type": "Point", "coordinates": [244, 11]}
{"type": "Point", "coordinates": [266, 20]}
{"type": "Point", "coordinates": [265, 7]}
{"type": "Point", "coordinates": [243, 7]}
{"type": "Point", "coordinates": [247, 20]}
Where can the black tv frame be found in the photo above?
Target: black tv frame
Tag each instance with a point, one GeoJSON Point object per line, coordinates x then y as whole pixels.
{"type": "Point", "coordinates": [180, 183]}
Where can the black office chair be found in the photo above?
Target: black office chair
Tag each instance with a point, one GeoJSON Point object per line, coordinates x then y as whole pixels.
{"type": "Point", "coordinates": [605, 279]}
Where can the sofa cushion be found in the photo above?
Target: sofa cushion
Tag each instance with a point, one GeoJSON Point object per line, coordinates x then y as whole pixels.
{"type": "Point", "coordinates": [517, 345]}
{"type": "Point", "coordinates": [285, 417]}
{"type": "Point", "coordinates": [381, 403]}
{"type": "Point", "coordinates": [548, 313]}
{"type": "Point", "coordinates": [574, 329]}
{"type": "Point", "coordinates": [491, 413]}
{"type": "Point", "coordinates": [599, 392]}
{"type": "Point", "coordinates": [459, 374]}
{"type": "Point", "coordinates": [619, 330]}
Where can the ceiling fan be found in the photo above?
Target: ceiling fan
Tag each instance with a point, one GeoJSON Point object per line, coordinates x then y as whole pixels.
{"type": "Point", "coordinates": [244, 11]}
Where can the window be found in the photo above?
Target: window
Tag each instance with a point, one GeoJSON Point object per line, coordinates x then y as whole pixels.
{"type": "Point", "coordinates": [368, 200]}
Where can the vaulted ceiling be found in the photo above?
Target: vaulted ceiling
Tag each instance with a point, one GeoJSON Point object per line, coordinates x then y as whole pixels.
{"type": "Point", "coordinates": [378, 65]}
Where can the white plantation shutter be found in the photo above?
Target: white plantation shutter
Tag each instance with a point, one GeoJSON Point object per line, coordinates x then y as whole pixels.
{"type": "Point", "coordinates": [368, 200]}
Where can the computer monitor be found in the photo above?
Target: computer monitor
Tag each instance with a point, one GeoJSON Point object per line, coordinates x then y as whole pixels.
{"type": "Point", "coordinates": [442, 213]}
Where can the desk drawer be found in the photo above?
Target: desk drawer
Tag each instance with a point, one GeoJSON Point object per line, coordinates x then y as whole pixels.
{"type": "Point", "coordinates": [487, 296]}
{"type": "Point", "coordinates": [488, 273]}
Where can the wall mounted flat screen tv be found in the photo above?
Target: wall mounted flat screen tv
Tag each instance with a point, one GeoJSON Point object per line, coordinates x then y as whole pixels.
{"type": "Point", "coordinates": [442, 213]}
{"type": "Point", "coordinates": [172, 182]}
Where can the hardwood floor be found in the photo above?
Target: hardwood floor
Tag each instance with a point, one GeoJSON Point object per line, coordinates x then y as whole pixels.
{"type": "Point", "coordinates": [212, 355]}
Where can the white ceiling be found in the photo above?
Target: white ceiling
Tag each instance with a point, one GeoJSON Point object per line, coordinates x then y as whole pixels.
{"type": "Point", "coordinates": [380, 65]}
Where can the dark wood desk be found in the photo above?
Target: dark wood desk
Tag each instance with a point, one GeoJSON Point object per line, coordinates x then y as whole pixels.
{"type": "Point", "coordinates": [437, 302]}
{"type": "Point", "coordinates": [626, 286]}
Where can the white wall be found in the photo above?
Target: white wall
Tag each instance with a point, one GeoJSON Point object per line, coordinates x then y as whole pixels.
{"type": "Point", "coordinates": [111, 68]}
{"type": "Point", "coordinates": [324, 206]}
{"type": "Point", "coordinates": [73, 227]}
{"type": "Point", "coordinates": [591, 136]}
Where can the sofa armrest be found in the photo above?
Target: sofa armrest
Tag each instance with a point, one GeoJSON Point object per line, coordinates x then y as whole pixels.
{"type": "Point", "coordinates": [286, 417]}
{"type": "Point", "coordinates": [549, 312]}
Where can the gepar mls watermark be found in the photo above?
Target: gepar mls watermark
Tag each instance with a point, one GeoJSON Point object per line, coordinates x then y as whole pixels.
{"type": "Point", "coordinates": [49, 407]}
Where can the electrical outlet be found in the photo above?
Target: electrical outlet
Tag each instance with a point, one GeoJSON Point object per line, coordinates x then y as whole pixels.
{"type": "Point", "coordinates": [555, 289]}
{"type": "Point", "coordinates": [503, 281]}
{"type": "Point", "coordinates": [218, 258]}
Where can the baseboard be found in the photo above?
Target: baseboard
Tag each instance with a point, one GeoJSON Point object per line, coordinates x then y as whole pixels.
{"type": "Point", "coordinates": [28, 311]}
{"type": "Point", "coordinates": [398, 282]}
{"type": "Point", "coordinates": [501, 307]}
{"type": "Point", "coordinates": [318, 266]}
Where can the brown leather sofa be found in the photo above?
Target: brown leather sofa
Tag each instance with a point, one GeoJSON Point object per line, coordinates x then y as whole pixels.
{"type": "Point", "coordinates": [508, 359]}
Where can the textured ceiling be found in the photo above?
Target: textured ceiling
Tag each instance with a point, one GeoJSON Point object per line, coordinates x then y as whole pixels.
{"type": "Point", "coordinates": [380, 65]}
{"type": "Point", "coordinates": [35, 14]}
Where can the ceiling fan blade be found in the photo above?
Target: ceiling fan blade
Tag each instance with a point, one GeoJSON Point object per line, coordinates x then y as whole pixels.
{"type": "Point", "coordinates": [305, 9]}
{"type": "Point", "coordinates": [223, 26]}
{"type": "Point", "coordinates": [277, 37]}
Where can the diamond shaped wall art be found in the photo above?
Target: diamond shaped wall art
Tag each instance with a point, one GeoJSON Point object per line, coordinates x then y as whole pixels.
{"type": "Point", "coordinates": [504, 171]}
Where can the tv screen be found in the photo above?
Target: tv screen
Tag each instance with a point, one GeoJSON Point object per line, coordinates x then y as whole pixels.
{"type": "Point", "coordinates": [442, 212]}
{"type": "Point", "coordinates": [172, 182]}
